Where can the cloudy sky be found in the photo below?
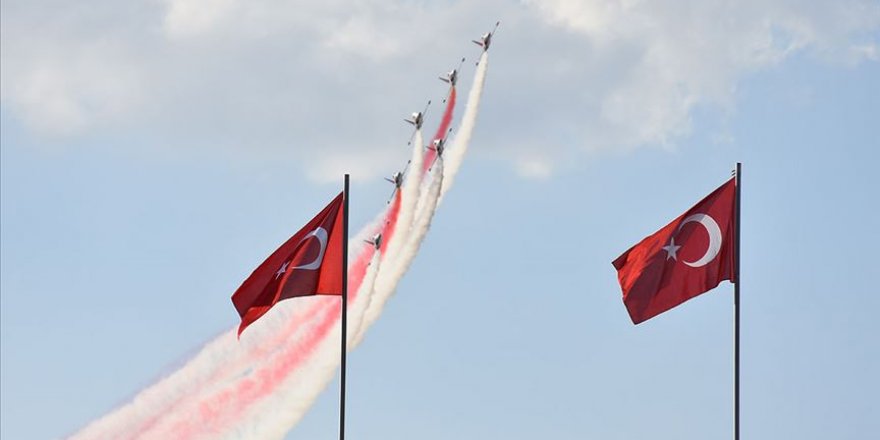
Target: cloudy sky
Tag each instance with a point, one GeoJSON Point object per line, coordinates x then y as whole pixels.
{"type": "Point", "coordinates": [153, 152]}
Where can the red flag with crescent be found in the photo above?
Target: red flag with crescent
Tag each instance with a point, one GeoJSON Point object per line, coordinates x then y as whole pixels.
{"type": "Point", "coordinates": [309, 263]}
{"type": "Point", "coordinates": [688, 257]}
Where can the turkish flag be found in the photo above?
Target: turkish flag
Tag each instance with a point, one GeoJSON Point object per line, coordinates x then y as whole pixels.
{"type": "Point", "coordinates": [689, 256]}
{"type": "Point", "coordinates": [309, 263]}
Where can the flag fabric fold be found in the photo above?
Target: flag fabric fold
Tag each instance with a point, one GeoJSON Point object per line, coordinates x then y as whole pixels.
{"type": "Point", "coordinates": [309, 263]}
{"type": "Point", "coordinates": [684, 259]}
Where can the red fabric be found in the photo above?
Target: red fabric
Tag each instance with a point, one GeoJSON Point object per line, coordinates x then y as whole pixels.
{"type": "Point", "coordinates": [297, 268]}
{"type": "Point", "coordinates": [658, 273]}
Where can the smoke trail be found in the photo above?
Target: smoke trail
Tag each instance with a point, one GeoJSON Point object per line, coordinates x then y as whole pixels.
{"type": "Point", "coordinates": [390, 226]}
{"type": "Point", "coordinates": [387, 280]}
{"type": "Point", "coordinates": [219, 408]}
{"type": "Point", "coordinates": [216, 361]}
{"type": "Point", "coordinates": [273, 417]}
{"type": "Point", "coordinates": [462, 139]}
{"type": "Point", "coordinates": [409, 193]}
{"type": "Point", "coordinates": [356, 278]}
{"type": "Point", "coordinates": [216, 409]}
{"type": "Point", "coordinates": [236, 406]}
{"type": "Point", "coordinates": [263, 420]}
{"type": "Point", "coordinates": [320, 364]}
{"type": "Point", "coordinates": [361, 300]}
{"type": "Point", "coordinates": [234, 389]}
{"type": "Point", "coordinates": [426, 206]}
{"type": "Point", "coordinates": [298, 391]}
{"type": "Point", "coordinates": [220, 359]}
{"type": "Point", "coordinates": [445, 122]}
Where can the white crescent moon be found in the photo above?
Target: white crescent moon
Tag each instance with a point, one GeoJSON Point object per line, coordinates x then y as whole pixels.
{"type": "Point", "coordinates": [321, 235]}
{"type": "Point", "coordinates": [714, 238]}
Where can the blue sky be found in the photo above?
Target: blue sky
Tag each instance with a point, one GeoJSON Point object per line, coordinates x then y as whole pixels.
{"type": "Point", "coordinates": [125, 228]}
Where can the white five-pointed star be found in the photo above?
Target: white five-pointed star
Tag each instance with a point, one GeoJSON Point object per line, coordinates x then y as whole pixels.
{"type": "Point", "coordinates": [282, 270]}
{"type": "Point", "coordinates": [671, 249]}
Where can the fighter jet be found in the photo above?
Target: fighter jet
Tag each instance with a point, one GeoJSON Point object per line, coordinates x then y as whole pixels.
{"type": "Point", "coordinates": [451, 77]}
{"type": "Point", "coordinates": [396, 179]}
{"type": "Point", "coordinates": [486, 38]}
{"type": "Point", "coordinates": [439, 146]}
{"type": "Point", "coordinates": [376, 241]}
{"type": "Point", "coordinates": [417, 118]}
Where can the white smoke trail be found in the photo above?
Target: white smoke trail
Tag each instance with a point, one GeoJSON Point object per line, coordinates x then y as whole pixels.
{"type": "Point", "coordinates": [226, 364]}
{"type": "Point", "coordinates": [297, 393]}
{"type": "Point", "coordinates": [387, 280]}
{"type": "Point", "coordinates": [409, 196]}
{"type": "Point", "coordinates": [362, 299]}
{"type": "Point", "coordinates": [212, 363]}
{"type": "Point", "coordinates": [304, 385]}
{"type": "Point", "coordinates": [422, 198]}
{"type": "Point", "coordinates": [409, 193]}
{"type": "Point", "coordinates": [454, 158]}
{"type": "Point", "coordinates": [273, 416]}
{"type": "Point", "coordinates": [219, 397]}
{"type": "Point", "coordinates": [219, 361]}
{"type": "Point", "coordinates": [430, 198]}
{"type": "Point", "coordinates": [239, 405]}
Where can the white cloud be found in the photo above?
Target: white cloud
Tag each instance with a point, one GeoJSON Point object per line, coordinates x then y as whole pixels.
{"type": "Point", "coordinates": [324, 83]}
{"type": "Point", "coordinates": [534, 167]}
{"type": "Point", "coordinates": [70, 89]}
{"type": "Point", "coordinates": [193, 17]}
{"type": "Point", "coordinates": [692, 52]}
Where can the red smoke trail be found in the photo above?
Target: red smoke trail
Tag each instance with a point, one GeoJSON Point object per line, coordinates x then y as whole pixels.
{"type": "Point", "coordinates": [222, 409]}
{"type": "Point", "coordinates": [237, 388]}
{"type": "Point", "coordinates": [391, 224]}
{"type": "Point", "coordinates": [357, 271]}
{"type": "Point", "coordinates": [430, 155]}
{"type": "Point", "coordinates": [216, 412]}
{"type": "Point", "coordinates": [250, 390]}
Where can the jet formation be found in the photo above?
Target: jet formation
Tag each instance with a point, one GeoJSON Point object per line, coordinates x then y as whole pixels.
{"type": "Point", "coordinates": [416, 119]}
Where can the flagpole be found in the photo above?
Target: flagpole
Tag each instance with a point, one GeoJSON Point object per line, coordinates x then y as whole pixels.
{"type": "Point", "coordinates": [736, 306]}
{"type": "Point", "coordinates": [344, 335]}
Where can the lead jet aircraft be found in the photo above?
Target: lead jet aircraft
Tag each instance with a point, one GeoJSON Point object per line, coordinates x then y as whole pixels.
{"type": "Point", "coordinates": [486, 39]}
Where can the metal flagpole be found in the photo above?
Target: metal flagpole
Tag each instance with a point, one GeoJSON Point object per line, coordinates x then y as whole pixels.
{"type": "Point", "coordinates": [736, 305]}
{"type": "Point", "coordinates": [344, 334]}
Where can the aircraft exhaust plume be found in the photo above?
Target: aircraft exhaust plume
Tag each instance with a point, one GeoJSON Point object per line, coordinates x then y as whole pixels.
{"type": "Point", "coordinates": [442, 129]}
{"type": "Point", "coordinates": [409, 193]}
{"type": "Point", "coordinates": [221, 359]}
{"type": "Point", "coordinates": [320, 369]}
{"type": "Point", "coordinates": [248, 407]}
{"type": "Point", "coordinates": [262, 385]}
{"type": "Point", "coordinates": [387, 280]}
{"type": "Point", "coordinates": [462, 139]}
